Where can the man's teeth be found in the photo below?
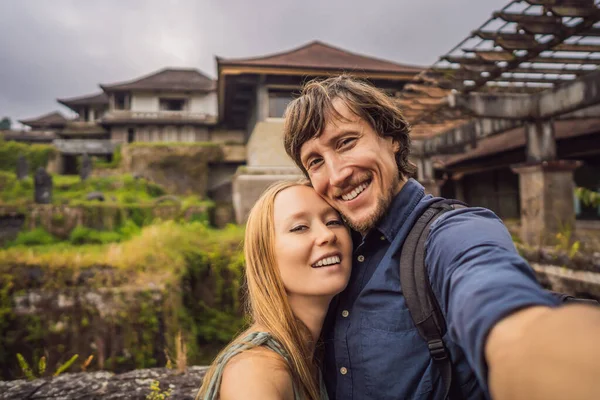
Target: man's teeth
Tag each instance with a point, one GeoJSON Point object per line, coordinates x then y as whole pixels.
{"type": "Point", "coordinates": [355, 192]}
{"type": "Point", "coordinates": [327, 261]}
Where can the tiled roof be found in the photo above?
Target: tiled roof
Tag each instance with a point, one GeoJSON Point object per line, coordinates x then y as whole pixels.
{"type": "Point", "coordinates": [168, 79]}
{"type": "Point", "coordinates": [92, 99]}
{"type": "Point", "coordinates": [52, 119]}
{"type": "Point", "coordinates": [320, 55]}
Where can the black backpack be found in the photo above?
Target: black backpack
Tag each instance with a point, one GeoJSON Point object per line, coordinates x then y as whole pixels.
{"type": "Point", "coordinates": [420, 299]}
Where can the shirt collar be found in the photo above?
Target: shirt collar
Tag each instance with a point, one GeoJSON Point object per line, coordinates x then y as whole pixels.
{"type": "Point", "coordinates": [401, 207]}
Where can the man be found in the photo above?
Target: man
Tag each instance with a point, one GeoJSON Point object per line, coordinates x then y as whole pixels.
{"type": "Point", "coordinates": [506, 336]}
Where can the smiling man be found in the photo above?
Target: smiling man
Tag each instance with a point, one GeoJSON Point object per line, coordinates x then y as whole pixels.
{"type": "Point", "coordinates": [506, 336]}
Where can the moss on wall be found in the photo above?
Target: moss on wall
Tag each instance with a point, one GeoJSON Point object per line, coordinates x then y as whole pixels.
{"type": "Point", "coordinates": [124, 303]}
{"type": "Point", "coordinates": [181, 168]}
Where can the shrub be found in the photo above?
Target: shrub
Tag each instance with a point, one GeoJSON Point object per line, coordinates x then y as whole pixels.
{"type": "Point", "coordinates": [37, 155]}
{"type": "Point", "coordinates": [83, 235]}
{"type": "Point", "coordinates": [38, 236]}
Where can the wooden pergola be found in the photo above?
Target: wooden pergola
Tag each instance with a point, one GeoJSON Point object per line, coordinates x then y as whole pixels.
{"type": "Point", "coordinates": [528, 62]}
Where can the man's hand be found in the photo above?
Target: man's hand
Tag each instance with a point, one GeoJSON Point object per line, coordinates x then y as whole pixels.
{"type": "Point", "coordinates": [545, 353]}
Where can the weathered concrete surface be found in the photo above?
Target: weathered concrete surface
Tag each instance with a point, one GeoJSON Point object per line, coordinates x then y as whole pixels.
{"type": "Point", "coordinates": [565, 280]}
{"type": "Point", "coordinates": [250, 183]}
{"type": "Point", "coordinates": [106, 385]}
{"type": "Point", "coordinates": [547, 204]}
{"type": "Point", "coordinates": [179, 169]}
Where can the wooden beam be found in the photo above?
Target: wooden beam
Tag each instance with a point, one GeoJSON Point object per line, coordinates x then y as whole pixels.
{"type": "Point", "coordinates": [510, 41]}
{"type": "Point", "coordinates": [492, 55]}
{"type": "Point", "coordinates": [513, 79]}
{"type": "Point", "coordinates": [565, 60]}
{"type": "Point", "coordinates": [554, 102]}
{"type": "Point", "coordinates": [585, 48]}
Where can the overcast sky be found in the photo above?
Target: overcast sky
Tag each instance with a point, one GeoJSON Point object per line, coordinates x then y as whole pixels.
{"type": "Point", "coordinates": [64, 48]}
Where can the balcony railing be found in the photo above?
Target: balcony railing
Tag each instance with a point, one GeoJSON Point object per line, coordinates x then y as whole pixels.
{"type": "Point", "coordinates": [168, 116]}
{"type": "Point", "coordinates": [81, 146]}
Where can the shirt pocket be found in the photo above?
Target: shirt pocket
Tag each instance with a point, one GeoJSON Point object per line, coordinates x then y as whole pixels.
{"type": "Point", "coordinates": [395, 358]}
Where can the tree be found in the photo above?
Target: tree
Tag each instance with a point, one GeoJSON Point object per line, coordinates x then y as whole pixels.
{"type": "Point", "coordinates": [5, 124]}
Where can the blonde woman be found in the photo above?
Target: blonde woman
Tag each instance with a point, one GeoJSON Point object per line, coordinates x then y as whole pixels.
{"type": "Point", "coordinates": [298, 256]}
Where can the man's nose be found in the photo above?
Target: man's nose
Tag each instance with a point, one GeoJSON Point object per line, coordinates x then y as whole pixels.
{"type": "Point", "coordinates": [339, 174]}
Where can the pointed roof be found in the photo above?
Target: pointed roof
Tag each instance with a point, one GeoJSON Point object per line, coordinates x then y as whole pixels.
{"type": "Point", "coordinates": [51, 119]}
{"type": "Point", "coordinates": [88, 100]}
{"type": "Point", "coordinates": [319, 55]}
{"type": "Point", "coordinates": [168, 79]}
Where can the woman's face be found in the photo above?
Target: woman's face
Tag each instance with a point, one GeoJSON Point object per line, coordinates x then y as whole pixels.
{"type": "Point", "coordinates": [313, 248]}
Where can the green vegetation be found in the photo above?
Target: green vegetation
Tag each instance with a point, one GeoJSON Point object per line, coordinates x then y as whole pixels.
{"type": "Point", "coordinates": [170, 280]}
{"type": "Point", "coordinates": [30, 374]}
{"type": "Point", "coordinates": [588, 197]}
{"type": "Point", "coordinates": [37, 155]}
{"type": "Point", "coordinates": [156, 393]}
{"type": "Point", "coordinates": [113, 164]}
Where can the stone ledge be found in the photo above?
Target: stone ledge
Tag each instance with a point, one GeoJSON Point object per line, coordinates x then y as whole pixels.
{"type": "Point", "coordinates": [106, 385]}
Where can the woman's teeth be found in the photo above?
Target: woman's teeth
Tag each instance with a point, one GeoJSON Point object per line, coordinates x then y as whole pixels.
{"type": "Point", "coordinates": [327, 261]}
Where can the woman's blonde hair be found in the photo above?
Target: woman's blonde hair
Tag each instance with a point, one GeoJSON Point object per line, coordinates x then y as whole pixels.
{"type": "Point", "coordinates": [267, 301]}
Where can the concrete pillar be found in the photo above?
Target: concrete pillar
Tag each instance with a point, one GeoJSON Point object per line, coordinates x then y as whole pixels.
{"type": "Point", "coordinates": [459, 189]}
{"type": "Point", "coordinates": [541, 145]}
{"type": "Point", "coordinates": [547, 205]}
{"type": "Point", "coordinates": [262, 101]}
{"type": "Point", "coordinates": [425, 176]}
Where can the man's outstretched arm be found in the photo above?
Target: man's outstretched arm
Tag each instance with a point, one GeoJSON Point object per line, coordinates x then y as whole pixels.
{"type": "Point", "coordinates": [545, 353]}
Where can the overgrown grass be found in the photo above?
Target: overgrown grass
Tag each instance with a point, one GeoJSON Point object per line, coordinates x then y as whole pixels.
{"type": "Point", "coordinates": [161, 248]}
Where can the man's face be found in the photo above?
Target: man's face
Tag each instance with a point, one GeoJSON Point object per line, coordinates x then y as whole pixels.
{"type": "Point", "coordinates": [353, 168]}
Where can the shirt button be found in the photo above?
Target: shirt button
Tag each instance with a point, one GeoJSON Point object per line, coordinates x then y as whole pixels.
{"type": "Point", "coordinates": [345, 313]}
{"type": "Point", "coordinates": [382, 238]}
{"type": "Point", "coordinates": [361, 258]}
{"type": "Point", "coordinates": [343, 370]}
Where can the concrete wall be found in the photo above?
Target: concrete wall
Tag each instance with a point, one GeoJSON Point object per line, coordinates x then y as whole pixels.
{"type": "Point", "coordinates": [144, 102]}
{"type": "Point", "coordinates": [248, 185]}
{"type": "Point", "coordinates": [227, 136]}
{"type": "Point", "coordinates": [265, 146]}
{"type": "Point", "coordinates": [204, 103]}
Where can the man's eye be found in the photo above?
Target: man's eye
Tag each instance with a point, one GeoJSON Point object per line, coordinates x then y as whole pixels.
{"type": "Point", "coordinates": [347, 141]}
{"type": "Point", "coordinates": [313, 162]}
{"type": "Point", "coordinates": [299, 228]}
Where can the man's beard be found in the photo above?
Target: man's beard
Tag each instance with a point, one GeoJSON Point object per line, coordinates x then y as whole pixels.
{"type": "Point", "coordinates": [381, 209]}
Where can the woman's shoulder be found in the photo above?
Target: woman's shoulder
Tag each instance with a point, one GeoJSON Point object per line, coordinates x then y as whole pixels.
{"type": "Point", "coordinates": [257, 373]}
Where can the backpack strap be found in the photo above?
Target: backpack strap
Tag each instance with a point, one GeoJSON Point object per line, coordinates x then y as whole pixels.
{"type": "Point", "coordinates": [420, 299]}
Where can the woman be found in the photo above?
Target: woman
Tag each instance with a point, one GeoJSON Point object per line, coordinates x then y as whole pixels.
{"type": "Point", "coordinates": [298, 256]}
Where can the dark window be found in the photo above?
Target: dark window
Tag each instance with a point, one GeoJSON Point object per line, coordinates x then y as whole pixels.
{"type": "Point", "coordinates": [172, 104]}
{"type": "Point", "coordinates": [130, 135]}
{"type": "Point", "coordinates": [121, 101]}
{"type": "Point", "coordinates": [278, 101]}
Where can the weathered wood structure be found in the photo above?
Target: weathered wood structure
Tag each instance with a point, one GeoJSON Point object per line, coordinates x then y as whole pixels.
{"type": "Point", "coordinates": [519, 95]}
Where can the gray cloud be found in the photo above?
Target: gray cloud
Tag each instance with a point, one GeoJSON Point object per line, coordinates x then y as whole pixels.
{"type": "Point", "coordinates": [65, 48]}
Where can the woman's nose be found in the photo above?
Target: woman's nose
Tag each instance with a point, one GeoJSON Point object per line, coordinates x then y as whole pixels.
{"type": "Point", "coordinates": [326, 235]}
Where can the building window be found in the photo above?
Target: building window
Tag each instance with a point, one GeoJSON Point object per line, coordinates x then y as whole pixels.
{"type": "Point", "coordinates": [278, 101]}
{"type": "Point", "coordinates": [130, 135]}
{"type": "Point", "coordinates": [121, 101]}
{"type": "Point", "coordinates": [172, 104]}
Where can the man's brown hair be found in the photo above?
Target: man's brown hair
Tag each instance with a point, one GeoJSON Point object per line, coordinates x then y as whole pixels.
{"type": "Point", "coordinates": [306, 116]}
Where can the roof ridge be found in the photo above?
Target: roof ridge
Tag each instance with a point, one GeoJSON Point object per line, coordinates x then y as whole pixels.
{"type": "Point", "coordinates": [155, 73]}
{"type": "Point", "coordinates": [320, 43]}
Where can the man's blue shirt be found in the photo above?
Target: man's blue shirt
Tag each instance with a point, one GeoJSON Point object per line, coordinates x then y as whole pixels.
{"type": "Point", "coordinates": [372, 348]}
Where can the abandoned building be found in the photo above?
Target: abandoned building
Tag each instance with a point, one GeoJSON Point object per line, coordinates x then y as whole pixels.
{"type": "Point", "coordinates": [509, 119]}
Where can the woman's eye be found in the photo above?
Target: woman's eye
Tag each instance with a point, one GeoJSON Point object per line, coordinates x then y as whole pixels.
{"type": "Point", "coordinates": [299, 228]}
{"type": "Point", "coordinates": [335, 222]}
